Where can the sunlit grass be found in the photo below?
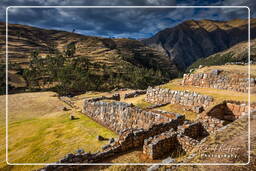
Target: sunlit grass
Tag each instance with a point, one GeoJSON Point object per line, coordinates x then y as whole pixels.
{"type": "Point", "coordinates": [47, 139]}
{"type": "Point", "coordinates": [40, 132]}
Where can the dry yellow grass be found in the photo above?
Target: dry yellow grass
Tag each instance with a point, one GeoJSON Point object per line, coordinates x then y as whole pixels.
{"type": "Point", "coordinates": [138, 101]}
{"type": "Point", "coordinates": [178, 109]}
{"type": "Point", "coordinates": [230, 68]}
{"type": "Point", "coordinates": [29, 105]}
{"type": "Point", "coordinates": [39, 131]}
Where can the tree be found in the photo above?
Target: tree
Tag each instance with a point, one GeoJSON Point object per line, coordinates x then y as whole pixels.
{"type": "Point", "coordinates": [70, 50]}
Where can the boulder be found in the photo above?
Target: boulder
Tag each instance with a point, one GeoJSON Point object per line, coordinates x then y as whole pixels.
{"type": "Point", "coordinates": [80, 151]}
{"type": "Point", "coordinates": [168, 160]}
{"type": "Point", "coordinates": [198, 109]}
{"type": "Point", "coordinates": [216, 71]}
{"type": "Point", "coordinates": [105, 147]}
{"type": "Point", "coordinates": [101, 138]}
{"type": "Point", "coordinates": [153, 167]}
{"type": "Point", "coordinates": [64, 108]}
{"type": "Point", "coordinates": [200, 66]}
{"type": "Point", "coordinates": [72, 117]}
{"type": "Point", "coordinates": [111, 140]}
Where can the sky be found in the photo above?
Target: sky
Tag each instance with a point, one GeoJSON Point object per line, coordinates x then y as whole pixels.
{"type": "Point", "coordinates": [115, 22]}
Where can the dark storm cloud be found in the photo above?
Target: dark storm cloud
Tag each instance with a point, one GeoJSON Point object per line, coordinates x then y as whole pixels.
{"type": "Point", "coordinates": [116, 22]}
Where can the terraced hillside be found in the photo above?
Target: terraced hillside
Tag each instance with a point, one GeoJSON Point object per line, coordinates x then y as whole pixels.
{"type": "Point", "coordinates": [114, 54]}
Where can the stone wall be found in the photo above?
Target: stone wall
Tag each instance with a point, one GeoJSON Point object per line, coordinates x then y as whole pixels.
{"type": "Point", "coordinates": [211, 124]}
{"type": "Point", "coordinates": [156, 147]}
{"type": "Point", "coordinates": [186, 142]}
{"type": "Point", "coordinates": [134, 93]}
{"type": "Point", "coordinates": [220, 80]}
{"type": "Point", "coordinates": [230, 110]}
{"type": "Point", "coordinates": [183, 139]}
{"type": "Point", "coordinates": [118, 115]}
{"type": "Point", "coordinates": [193, 130]}
{"type": "Point", "coordinates": [224, 113]}
{"type": "Point", "coordinates": [185, 98]}
{"type": "Point", "coordinates": [113, 97]}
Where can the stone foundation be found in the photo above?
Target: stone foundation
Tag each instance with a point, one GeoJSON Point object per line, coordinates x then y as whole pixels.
{"type": "Point", "coordinates": [193, 130]}
{"type": "Point", "coordinates": [220, 80]}
{"type": "Point", "coordinates": [190, 100]}
{"type": "Point", "coordinates": [134, 94]}
{"type": "Point", "coordinates": [186, 142]}
{"type": "Point", "coordinates": [118, 115]}
{"type": "Point", "coordinates": [156, 147]}
{"type": "Point", "coordinates": [224, 113]}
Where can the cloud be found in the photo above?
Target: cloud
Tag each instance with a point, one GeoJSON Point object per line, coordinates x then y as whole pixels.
{"type": "Point", "coordinates": [118, 22]}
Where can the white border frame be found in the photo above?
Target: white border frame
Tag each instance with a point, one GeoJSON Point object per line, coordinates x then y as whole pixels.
{"type": "Point", "coordinates": [249, 92]}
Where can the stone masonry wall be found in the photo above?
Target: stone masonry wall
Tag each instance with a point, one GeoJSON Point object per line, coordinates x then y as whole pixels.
{"type": "Point", "coordinates": [189, 99]}
{"type": "Point", "coordinates": [134, 93]}
{"type": "Point", "coordinates": [118, 115]}
{"type": "Point", "coordinates": [157, 146]}
{"type": "Point", "coordinates": [220, 80]}
{"type": "Point", "coordinates": [193, 130]}
{"type": "Point", "coordinates": [186, 142]}
{"type": "Point", "coordinates": [224, 113]}
{"type": "Point", "coordinates": [183, 139]}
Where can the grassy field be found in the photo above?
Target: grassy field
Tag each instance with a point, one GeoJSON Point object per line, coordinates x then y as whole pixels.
{"type": "Point", "coordinates": [230, 68]}
{"type": "Point", "coordinates": [45, 133]}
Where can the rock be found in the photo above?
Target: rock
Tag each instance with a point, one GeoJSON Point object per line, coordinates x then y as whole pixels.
{"type": "Point", "coordinates": [65, 109]}
{"type": "Point", "coordinates": [200, 66]}
{"type": "Point", "coordinates": [79, 151]}
{"type": "Point", "coordinates": [116, 97]}
{"type": "Point", "coordinates": [216, 71]}
{"type": "Point", "coordinates": [198, 109]}
{"type": "Point", "coordinates": [153, 167]}
{"type": "Point", "coordinates": [168, 160]}
{"type": "Point", "coordinates": [105, 147]}
{"type": "Point", "coordinates": [68, 156]}
{"type": "Point", "coordinates": [100, 138]}
{"type": "Point", "coordinates": [191, 70]}
{"type": "Point", "coordinates": [134, 93]}
{"type": "Point", "coordinates": [111, 140]}
{"type": "Point", "coordinates": [72, 117]}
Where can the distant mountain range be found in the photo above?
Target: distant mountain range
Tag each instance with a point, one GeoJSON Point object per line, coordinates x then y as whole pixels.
{"type": "Point", "coordinates": [191, 40]}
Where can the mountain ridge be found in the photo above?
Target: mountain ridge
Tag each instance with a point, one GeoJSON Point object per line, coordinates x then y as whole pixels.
{"type": "Point", "coordinates": [194, 39]}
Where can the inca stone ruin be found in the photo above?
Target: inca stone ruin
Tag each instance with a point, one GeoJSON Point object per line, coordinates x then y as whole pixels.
{"type": "Point", "coordinates": [220, 80]}
{"type": "Point", "coordinates": [157, 133]}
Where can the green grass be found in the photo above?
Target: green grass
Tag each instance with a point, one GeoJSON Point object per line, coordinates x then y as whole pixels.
{"type": "Point", "coordinates": [47, 139]}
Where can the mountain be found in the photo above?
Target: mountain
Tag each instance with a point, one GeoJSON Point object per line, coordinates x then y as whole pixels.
{"type": "Point", "coordinates": [119, 56]}
{"type": "Point", "coordinates": [191, 40]}
{"type": "Point", "coordinates": [236, 53]}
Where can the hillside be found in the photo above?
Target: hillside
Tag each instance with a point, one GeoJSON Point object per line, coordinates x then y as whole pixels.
{"type": "Point", "coordinates": [118, 56]}
{"type": "Point", "coordinates": [236, 53]}
{"type": "Point", "coordinates": [191, 40]}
